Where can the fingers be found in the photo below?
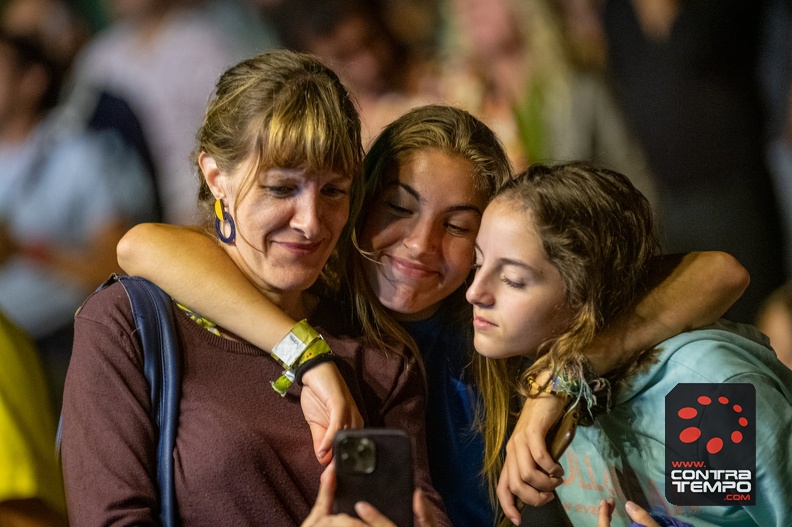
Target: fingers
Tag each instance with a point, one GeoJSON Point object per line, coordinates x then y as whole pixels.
{"type": "Point", "coordinates": [420, 508]}
{"type": "Point", "coordinates": [527, 453]}
{"type": "Point", "coordinates": [639, 515]}
{"type": "Point", "coordinates": [371, 516]}
{"type": "Point", "coordinates": [506, 498]}
{"type": "Point", "coordinates": [324, 454]}
{"type": "Point", "coordinates": [536, 419]}
{"type": "Point", "coordinates": [374, 518]}
{"type": "Point", "coordinates": [526, 481]}
{"type": "Point", "coordinates": [328, 407]}
{"type": "Point", "coordinates": [338, 520]}
{"type": "Point", "coordinates": [537, 448]}
{"type": "Point", "coordinates": [323, 444]}
{"type": "Point", "coordinates": [523, 468]}
{"type": "Point", "coordinates": [605, 512]}
{"type": "Point", "coordinates": [342, 417]}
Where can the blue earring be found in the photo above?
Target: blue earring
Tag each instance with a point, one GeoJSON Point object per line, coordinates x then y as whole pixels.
{"type": "Point", "coordinates": [222, 215]}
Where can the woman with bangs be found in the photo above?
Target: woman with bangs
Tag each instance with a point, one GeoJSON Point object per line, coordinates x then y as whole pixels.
{"type": "Point", "coordinates": [279, 159]}
{"type": "Point", "coordinates": [428, 177]}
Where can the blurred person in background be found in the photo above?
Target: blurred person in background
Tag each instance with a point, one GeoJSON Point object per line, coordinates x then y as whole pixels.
{"type": "Point", "coordinates": [352, 37]}
{"type": "Point", "coordinates": [534, 72]}
{"type": "Point", "coordinates": [63, 31]}
{"type": "Point", "coordinates": [686, 73]}
{"type": "Point", "coordinates": [67, 199]}
{"type": "Point", "coordinates": [31, 489]}
{"type": "Point", "coordinates": [162, 57]}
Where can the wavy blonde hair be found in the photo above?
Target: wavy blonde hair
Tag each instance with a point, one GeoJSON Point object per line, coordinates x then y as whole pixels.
{"type": "Point", "coordinates": [597, 230]}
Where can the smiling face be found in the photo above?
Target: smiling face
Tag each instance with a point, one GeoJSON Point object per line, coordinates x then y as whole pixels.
{"type": "Point", "coordinates": [287, 222]}
{"type": "Point", "coordinates": [518, 295]}
{"type": "Point", "coordinates": [421, 232]}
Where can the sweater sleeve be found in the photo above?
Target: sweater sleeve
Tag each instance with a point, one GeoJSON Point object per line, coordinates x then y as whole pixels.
{"type": "Point", "coordinates": [108, 441]}
{"type": "Point", "coordinates": [405, 408]}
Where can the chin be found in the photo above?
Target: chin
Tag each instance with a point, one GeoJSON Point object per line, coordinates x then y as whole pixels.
{"type": "Point", "coordinates": [488, 349]}
{"type": "Point", "coordinates": [295, 283]}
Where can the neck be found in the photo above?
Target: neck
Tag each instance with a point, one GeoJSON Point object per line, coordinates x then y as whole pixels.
{"type": "Point", "coordinates": [297, 305]}
{"type": "Point", "coordinates": [417, 316]}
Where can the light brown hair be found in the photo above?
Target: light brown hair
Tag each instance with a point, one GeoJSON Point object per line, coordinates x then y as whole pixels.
{"type": "Point", "coordinates": [597, 230]}
{"type": "Point", "coordinates": [449, 130]}
{"type": "Point", "coordinates": [288, 110]}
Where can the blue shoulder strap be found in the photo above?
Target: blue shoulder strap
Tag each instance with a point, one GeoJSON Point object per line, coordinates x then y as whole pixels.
{"type": "Point", "coordinates": [154, 321]}
{"type": "Point", "coordinates": [155, 325]}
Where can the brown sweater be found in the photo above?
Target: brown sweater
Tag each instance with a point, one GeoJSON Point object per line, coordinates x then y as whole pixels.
{"type": "Point", "coordinates": [243, 456]}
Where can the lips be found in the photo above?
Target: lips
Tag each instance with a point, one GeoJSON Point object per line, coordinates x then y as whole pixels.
{"type": "Point", "coordinates": [300, 248]}
{"type": "Point", "coordinates": [410, 268]}
{"type": "Point", "coordinates": [480, 323]}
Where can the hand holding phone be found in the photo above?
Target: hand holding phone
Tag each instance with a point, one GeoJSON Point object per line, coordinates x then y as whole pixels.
{"type": "Point", "coordinates": [375, 465]}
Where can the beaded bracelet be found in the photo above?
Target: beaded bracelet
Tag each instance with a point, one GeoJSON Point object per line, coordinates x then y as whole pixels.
{"type": "Point", "coordinates": [558, 387]}
{"type": "Point", "coordinates": [595, 393]}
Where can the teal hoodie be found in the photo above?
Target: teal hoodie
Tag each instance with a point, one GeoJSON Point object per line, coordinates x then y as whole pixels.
{"type": "Point", "coordinates": [623, 454]}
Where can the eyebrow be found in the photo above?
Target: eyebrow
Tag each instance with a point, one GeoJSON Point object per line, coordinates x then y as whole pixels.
{"type": "Point", "coordinates": [511, 261]}
{"type": "Point", "coordinates": [517, 263]}
{"type": "Point", "coordinates": [465, 207]}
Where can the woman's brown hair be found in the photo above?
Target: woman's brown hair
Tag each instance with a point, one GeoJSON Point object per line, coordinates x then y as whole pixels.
{"type": "Point", "coordinates": [288, 110]}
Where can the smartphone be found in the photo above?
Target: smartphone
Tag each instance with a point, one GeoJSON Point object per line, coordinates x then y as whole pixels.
{"type": "Point", "coordinates": [375, 465]}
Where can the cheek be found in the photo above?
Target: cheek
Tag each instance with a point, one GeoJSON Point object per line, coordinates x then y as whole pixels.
{"type": "Point", "coordinates": [378, 235]}
{"type": "Point", "coordinates": [337, 217]}
{"type": "Point", "coordinates": [459, 258]}
{"type": "Point", "coordinates": [537, 322]}
{"type": "Point", "coordinates": [257, 217]}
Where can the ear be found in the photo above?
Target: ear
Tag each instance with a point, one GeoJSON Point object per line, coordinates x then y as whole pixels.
{"type": "Point", "coordinates": [212, 174]}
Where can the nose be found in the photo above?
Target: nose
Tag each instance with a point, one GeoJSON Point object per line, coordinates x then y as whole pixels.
{"type": "Point", "coordinates": [307, 217]}
{"type": "Point", "coordinates": [421, 239]}
{"type": "Point", "coordinates": [479, 293]}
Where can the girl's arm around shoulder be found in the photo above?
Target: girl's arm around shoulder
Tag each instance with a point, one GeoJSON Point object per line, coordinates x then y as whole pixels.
{"type": "Point", "coordinates": [192, 267]}
{"type": "Point", "coordinates": [684, 292]}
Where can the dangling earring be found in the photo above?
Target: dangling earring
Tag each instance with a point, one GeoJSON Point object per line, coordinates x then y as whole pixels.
{"type": "Point", "coordinates": [222, 215]}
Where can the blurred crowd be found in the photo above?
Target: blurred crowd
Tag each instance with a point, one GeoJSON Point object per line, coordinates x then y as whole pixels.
{"type": "Point", "coordinates": [100, 101]}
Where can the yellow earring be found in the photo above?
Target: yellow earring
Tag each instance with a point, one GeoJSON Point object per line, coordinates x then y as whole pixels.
{"type": "Point", "coordinates": [218, 209]}
{"type": "Point", "coordinates": [221, 216]}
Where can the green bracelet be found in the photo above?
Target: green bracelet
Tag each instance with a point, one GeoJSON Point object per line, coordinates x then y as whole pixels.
{"type": "Point", "coordinates": [302, 344]}
{"type": "Point", "coordinates": [288, 351]}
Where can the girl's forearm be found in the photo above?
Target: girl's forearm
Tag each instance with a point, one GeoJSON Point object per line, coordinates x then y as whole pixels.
{"type": "Point", "coordinates": [686, 292]}
{"type": "Point", "coordinates": [193, 269]}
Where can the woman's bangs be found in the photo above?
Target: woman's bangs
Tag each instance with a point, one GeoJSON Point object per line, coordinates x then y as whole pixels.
{"type": "Point", "coordinates": [310, 133]}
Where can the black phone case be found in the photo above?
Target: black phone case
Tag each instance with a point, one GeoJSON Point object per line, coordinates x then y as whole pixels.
{"type": "Point", "coordinates": [388, 487]}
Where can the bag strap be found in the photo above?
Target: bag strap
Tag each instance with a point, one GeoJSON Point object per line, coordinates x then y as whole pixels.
{"type": "Point", "coordinates": [155, 325]}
